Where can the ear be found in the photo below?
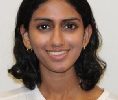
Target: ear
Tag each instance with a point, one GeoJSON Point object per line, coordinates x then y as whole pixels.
{"type": "Point", "coordinates": [25, 36]}
{"type": "Point", "coordinates": [87, 35]}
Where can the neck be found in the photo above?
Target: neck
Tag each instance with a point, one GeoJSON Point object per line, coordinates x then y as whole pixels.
{"type": "Point", "coordinates": [64, 86]}
{"type": "Point", "coordinates": [58, 83]}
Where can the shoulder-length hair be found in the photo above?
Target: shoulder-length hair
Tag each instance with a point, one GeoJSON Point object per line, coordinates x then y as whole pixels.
{"type": "Point", "coordinates": [88, 67]}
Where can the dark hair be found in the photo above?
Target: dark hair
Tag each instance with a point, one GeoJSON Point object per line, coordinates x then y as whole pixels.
{"type": "Point", "coordinates": [88, 67]}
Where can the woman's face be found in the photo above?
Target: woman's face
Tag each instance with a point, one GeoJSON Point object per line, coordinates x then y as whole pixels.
{"type": "Point", "coordinates": [57, 35]}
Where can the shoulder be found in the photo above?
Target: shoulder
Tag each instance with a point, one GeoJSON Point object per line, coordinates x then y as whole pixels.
{"type": "Point", "coordinates": [22, 94]}
{"type": "Point", "coordinates": [106, 95]}
{"type": "Point", "coordinates": [16, 94]}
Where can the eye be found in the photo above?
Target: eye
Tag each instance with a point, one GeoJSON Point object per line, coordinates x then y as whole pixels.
{"type": "Point", "coordinates": [43, 27]}
{"type": "Point", "coordinates": [70, 26]}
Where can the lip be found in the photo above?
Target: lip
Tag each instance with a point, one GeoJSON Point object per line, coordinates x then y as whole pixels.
{"type": "Point", "coordinates": [57, 55]}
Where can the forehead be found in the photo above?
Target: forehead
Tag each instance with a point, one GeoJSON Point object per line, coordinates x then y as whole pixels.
{"type": "Point", "coordinates": [56, 9]}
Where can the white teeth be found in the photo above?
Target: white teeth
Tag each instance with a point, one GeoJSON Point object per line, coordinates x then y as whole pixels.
{"type": "Point", "coordinates": [57, 52]}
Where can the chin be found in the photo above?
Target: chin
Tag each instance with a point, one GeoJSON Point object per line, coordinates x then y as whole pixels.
{"type": "Point", "coordinates": [60, 69]}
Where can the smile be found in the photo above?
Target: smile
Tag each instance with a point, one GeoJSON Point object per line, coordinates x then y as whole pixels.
{"type": "Point", "coordinates": [58, 55]}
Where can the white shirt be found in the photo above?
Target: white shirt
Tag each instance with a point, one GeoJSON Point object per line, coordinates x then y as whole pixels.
{"type": "Point", "coordinates": [26, 94]}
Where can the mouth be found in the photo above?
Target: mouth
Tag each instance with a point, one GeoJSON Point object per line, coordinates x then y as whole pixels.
{"type": "Point", "coordinates": [57, 55]}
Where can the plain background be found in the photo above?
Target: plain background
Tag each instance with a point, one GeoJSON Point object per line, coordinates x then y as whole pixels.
{"type": "Point", "coordinates": [106, 15]}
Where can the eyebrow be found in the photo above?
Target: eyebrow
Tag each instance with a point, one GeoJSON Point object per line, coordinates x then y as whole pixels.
{"type": "Point", "coordinates": [51, 20]}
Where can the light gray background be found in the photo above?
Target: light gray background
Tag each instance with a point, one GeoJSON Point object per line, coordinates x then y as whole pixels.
{"type": "Point", "coordinates": [106, 15]}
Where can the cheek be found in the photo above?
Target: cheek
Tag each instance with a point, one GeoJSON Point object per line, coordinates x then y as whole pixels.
{"type": "Point", "coordinates": [76, 44]}
{"type": "Point", "coordinates": [37, 39]}
{"type": "Point", "coordinates": [38, 43]}
{"type": "Point", "coordinates": [76, 41]}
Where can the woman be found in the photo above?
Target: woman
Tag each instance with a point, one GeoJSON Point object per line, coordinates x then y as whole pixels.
{"type": "Point", "coordinates": [56, 43]}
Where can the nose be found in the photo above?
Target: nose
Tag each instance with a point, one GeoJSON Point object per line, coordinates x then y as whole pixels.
{"type": "Point", "coordinates": [57, 38]}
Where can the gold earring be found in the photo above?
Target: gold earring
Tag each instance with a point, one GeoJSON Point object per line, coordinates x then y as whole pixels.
{"type": "Point", "coordinates": [84, 47]}
{"type": "Point", "coordinates": [29, 49]}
